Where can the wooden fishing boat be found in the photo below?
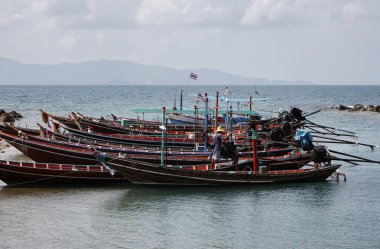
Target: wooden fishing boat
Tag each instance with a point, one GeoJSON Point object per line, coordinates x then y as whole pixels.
{"type": "Point", "coordinates": [123, 126]}
{"type": "Point", "coordinates": [52, 152]}
{"type": "Point", "coordinates": [139, 172]}
{"type": "Point", "coordinates": [274, 150]}
{"type": "Point", "coordinates": [136, 139]}
{"type": "Point", "coordinates": [29, 173]}
{"type": "Point", "coordinates": [46, 151]}
{"type": "Point", "coordinates": [29, 141]}
{"type": "Point", "coordinates": [155, 141]}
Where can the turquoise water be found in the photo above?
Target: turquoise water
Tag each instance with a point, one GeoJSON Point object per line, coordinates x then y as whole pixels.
{"type": "Point", "coordinates": [319, 215]}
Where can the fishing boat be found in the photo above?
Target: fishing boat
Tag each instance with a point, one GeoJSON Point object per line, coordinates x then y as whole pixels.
{"type": "Point", "coordinates": [138, 172]}
{"type": "Point", "coordinates": [30, 173]}
{"type": "Point", "coordinates": [42, 150]}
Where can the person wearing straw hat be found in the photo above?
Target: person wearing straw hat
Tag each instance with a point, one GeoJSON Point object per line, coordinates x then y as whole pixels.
{"type": "Point", "coordinates": [217, 141]}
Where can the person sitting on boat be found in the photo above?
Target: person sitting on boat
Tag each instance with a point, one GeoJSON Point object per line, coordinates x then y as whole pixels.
{"type": "Point", "coordinates": [217, 145]}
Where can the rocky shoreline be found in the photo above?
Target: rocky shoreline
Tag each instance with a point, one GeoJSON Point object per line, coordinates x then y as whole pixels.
{"type": "Point", "coordinates": [358, 108]}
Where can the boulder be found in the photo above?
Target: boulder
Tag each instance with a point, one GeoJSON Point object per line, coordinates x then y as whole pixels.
{"type": "Point", "coordinates": [377, 108]}
{"type": "Point", "coordinates": [15, 115]}
{"type": "Point", "coordinates": [2, 111]}
{"type": "Point", "coordinates": [5, 117]}
{"type": "Point", "coordinates": [371, 108]}
{"type": "Point", "coordinates": [342, 108]}
{"type": "Point", "coordinates": [359, 107]}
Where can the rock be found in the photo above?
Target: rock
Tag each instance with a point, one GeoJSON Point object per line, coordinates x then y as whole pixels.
{"type": "Point", "coordinates": [377, 108]}
{"type": "Point", "coordinates": [371, 108]}
{"type": "Point", "coordinates": [2, 111]}
{"type": "Point", "coordinates": [5, 117]}
{"type": "Point", "coordinates": [15, 114]}
{"type": "Point", "coordinates": [342, 108]}
{"type": "Point", "coordinates": [359, 107]}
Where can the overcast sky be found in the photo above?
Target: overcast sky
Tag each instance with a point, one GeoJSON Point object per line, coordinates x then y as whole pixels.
{"type": "Point", "coordinates": [322, 41]}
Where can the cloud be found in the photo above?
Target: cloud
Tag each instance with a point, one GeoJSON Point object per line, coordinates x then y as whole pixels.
{"type": "Point", "coordinates": [93, 14]}
{"type": "Point", "coordinates": [175, 14]}
{"type": "Point", "coordinates": [351, 11]}
{"type": "Point", "coordinates": [284, 12]}
{"type": "Point", "coordinates": [249, 37]}
{"type": "Point", "coordinates": [67, 8]}
{"type": "Point", "coordinates": [181, 12]}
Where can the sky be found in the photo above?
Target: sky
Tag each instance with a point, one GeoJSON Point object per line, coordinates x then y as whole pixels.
{"type": "Point", "coordinates": [321, 41]}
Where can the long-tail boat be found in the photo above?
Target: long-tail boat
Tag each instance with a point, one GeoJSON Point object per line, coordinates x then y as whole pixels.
{"type": "Point", "coordinates": [12, 135]}
{"type": "Point", "coordinates": [29, 173]}
{"type": "Point", "coordinates": [272, 148]}
{"type": "Point", "coordinates": [41, 150]}
{"type": "Point", "coordinates": [139, 172]}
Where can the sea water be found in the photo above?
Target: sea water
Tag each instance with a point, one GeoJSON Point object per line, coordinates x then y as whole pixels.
{"type": "Point", "coordinates": [319, 215]}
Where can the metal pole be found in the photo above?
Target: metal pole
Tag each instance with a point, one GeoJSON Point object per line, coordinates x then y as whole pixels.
{"type": "Point", "coordinates": [206, 122]}
{"type": "Point", "coordinates": [163, 137]}
{"type": "Point", "coordinates": [254, 150]}
{"type": "Point", "coordinates": [250, 103]}
{"type": "Point", "coordinates": [181, 100]}
{"type": "Point", "coordinates": [227, 115]}
{"type": "Point", "coordinates": [195, 126]}
{"type": "Point", "coordinates": [216, 110]}
{"type": "Point", "coordinates": [231, 125]}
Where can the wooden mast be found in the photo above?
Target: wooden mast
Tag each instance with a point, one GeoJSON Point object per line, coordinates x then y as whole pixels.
{"type": "Point", "coordinates": [163, 136]}
{"type": "Point", "coordinates": [254, 149]}
{"type": "Point", "coordinates": [216, 111]}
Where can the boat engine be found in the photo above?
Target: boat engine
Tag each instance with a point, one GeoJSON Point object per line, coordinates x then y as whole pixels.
{"type": "Point", "coordinates": [320, 154]}
{"type": "Point", "coordinates": [229, 150]}
{"type": "Point", "coordinates": [296, 114]}
{"type": "Point", "coordinates": [277, 134]}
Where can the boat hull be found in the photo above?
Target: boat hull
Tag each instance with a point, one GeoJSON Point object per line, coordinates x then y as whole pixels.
{"type": "Point", "coordinates": [24, 173]}
{"type": "Point", "coordinates": [145, 173]}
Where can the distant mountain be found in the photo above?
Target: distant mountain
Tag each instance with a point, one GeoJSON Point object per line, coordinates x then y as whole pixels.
{"type": "Point", "coordinates": [115, 72]}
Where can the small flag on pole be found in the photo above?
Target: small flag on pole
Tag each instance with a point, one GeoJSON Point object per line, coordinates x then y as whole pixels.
{"type": "Point", "coordinates": [193, 76]}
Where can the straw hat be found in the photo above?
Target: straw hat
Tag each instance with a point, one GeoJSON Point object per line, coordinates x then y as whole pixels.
{"type": "Point", "coordinates": [220, 129]}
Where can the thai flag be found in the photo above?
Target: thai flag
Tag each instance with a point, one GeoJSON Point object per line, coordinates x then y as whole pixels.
{"type": "Point", "coordinates": [193, 76]}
